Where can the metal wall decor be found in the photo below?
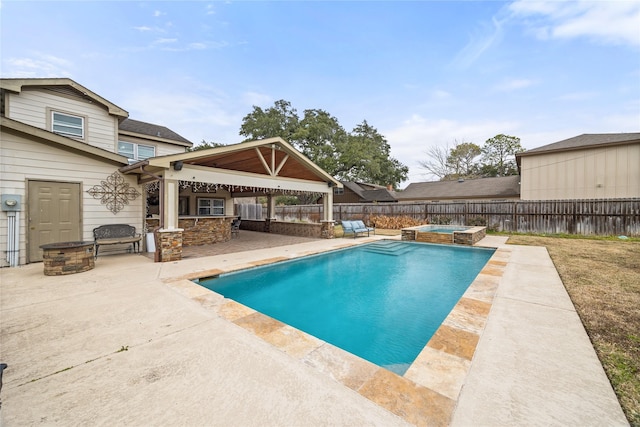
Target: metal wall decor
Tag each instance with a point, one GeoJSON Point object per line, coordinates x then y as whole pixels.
{"type": "Point", "coordinates": [114, 192]}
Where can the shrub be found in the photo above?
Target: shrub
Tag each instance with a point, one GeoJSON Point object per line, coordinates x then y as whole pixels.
{"type": "Point", "coordinates": [394, 222]}
{"type": "Point", "coordinates": [440, 220]}
{"type": "Point", "coordinates": [477, 221]}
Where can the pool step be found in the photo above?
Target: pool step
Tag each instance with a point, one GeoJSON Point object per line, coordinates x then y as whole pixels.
{"type": "Point", "coordinates": [388, 247]}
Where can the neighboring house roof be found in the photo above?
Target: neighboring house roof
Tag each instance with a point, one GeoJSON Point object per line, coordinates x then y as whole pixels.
{"type": "Point", "coordinates": [482, 188]}
{"type": "Point", "coordinates": [53, 139]}
{"type": "Point", "coordinates": [370, 192]}
{"type": "Point", "coordinates": [586, 140]}
{"type": "Point", "coordinates": [151, 131]}
{"type": "Point", "coordinates": [60, 85]}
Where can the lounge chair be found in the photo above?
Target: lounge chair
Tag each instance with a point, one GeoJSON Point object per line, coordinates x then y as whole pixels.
{"type": "Point", "coordinates": [350, 227]}
{"type": "Point", "coordinates": [360, 224]}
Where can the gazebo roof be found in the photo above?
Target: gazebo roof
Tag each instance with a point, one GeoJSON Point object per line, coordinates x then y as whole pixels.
{"type": "Point", "coordinates": [267, 160]}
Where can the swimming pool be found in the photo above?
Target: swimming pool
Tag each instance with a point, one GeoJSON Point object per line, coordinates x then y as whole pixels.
{"type": "Point", "coordinates": [381, 301]}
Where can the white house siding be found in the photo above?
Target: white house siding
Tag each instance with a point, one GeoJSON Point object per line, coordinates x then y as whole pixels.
{"type": "Point", "coordinates": [162, 148]}
{"type": "Point", "coordinates": [30, 107]}
{"type": "Point", "coordinates": [597, 173]}
{"type": "Point", "coordinates": [22, 160]}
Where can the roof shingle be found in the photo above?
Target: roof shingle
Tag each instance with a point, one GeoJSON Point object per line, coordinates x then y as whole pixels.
{"type": "Point", "coordinates": [156, 131]}
{"type": "Point", "coordinates": [585, 140]}
{"type": "Point", "coordinates": [482, 188]}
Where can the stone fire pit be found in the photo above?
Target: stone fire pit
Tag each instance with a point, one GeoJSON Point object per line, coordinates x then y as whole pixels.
{"type": "Point", "coordinates": [67, 258]}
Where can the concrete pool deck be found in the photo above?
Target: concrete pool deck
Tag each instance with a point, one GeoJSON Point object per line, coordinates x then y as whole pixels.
{"type": "Point", "coordinates": [132, 342]}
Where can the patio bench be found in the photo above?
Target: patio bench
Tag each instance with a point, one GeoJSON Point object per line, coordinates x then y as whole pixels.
{"type": "Point", "coordinates": [116, 234]}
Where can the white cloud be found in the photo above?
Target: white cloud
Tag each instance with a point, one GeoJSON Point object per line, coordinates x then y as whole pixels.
{"type": "Point", "coordinates": [202, 114]}
{"type": "Point", "coordinates": [479, 43]}
{"type": "Point", "coordinates": [611, 22]}
{"type": "Point", "coordinates": [196, 46]}
{"type": "Point", "coordinates": [165, 41]}
{"type": "Point", "coordinates": [210, 10]}
{"type": "Point", "coordinates": [514, 84]}
{"type": "Point", "coordinates": [411, 140]}
{"type": "Point", "coordinates": [577, 96]}
{"type": "Point", "coordinates": [143, 28]}
{"type": "Point", "coordinates": [41, 65]}
{"type": "Point", "coordinates": [440, 94]}
{"type": "Point", "coordinates": [257, 99]}
{"type": "Point", "coordinates": [157, 13]}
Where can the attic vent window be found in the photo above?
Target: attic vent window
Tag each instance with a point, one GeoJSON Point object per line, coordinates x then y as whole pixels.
{"type": "Point", "coordinates": [67, 125]}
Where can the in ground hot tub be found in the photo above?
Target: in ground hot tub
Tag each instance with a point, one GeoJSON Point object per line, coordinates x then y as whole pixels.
{"type": "Point", "coordinates": [67, 257]}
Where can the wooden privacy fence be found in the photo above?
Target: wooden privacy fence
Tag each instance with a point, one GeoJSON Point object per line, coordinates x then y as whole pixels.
{"type": "Point", "coordinates": [586, 217]}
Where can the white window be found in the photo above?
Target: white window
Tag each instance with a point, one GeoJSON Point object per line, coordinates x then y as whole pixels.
{"type": "Point", "coordinates": [136, 152]}
{"type": "Point", "coordinates": [338, 191]}
{"type": "Point", "coordinates": [210, 206]}
{"type": "Point", "coordinates": [67, 125]}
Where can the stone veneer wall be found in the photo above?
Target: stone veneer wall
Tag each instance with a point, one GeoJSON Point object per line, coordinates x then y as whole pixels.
{"type": "Point", "coordinates": [205, 231]}
{"type": "Point", "coordinates": [301, 229]}
{"type": "Point", "coordinates": [408, 234]}
{"type": "Point", "coordinates": [199, 231]}
{"type": "Point", "coordinates": [434, 237]}
{"type": "Point", "coordinates": [470, 237]}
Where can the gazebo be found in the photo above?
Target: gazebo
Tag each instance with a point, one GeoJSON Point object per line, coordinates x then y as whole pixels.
{"type": "Point", "coordinates": [268, 167]}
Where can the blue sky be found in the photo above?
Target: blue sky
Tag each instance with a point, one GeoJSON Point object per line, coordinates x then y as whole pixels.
{"type": "Point", "coordinates": [424, 73]}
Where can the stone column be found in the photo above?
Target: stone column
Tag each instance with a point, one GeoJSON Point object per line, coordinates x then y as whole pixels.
{"type": "Point", "coordinates": [168, 245]}
{"type": "Point", "coordinates": [327, 229]}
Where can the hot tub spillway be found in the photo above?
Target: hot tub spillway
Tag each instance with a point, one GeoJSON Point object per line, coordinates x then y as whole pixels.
{"type": "Point", "coordinates": [67, 257]}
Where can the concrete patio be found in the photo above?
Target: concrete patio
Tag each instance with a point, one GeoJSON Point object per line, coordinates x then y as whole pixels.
{"type": "Point", "coordinates": [131, 342]}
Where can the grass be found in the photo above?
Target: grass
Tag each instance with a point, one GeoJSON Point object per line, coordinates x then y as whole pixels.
{"type": "Point", "coordinates": [602, 277]}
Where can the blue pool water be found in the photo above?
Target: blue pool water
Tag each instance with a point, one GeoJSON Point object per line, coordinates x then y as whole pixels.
{"type": "Point", "coordinates": [442, 228]}
{"type": "Point", "coordinates": [381, 301]}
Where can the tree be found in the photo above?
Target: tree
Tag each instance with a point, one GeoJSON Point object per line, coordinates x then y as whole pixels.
{"type": "Point", "coordinates": [205, 145]}
{"type": "Point", "coordinates": [367, 158]}
{"type": "Point", "coordinates": [437, 164]}
{"type": "Point", "coordinates": [461, 160]}
{"type": "Point", "coordinates": [363, 154]}
{"type": "Point", "coordinates": [317, 137]}
{"type": "Point", "coordinates": [280, 120]}
{"type": "Point", "coordinates": [498, 155]}
{"type": "Point", "coordinates": [452, 163]}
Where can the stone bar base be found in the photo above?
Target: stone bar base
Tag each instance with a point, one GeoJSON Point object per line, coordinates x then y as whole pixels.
{"type": "Point", "coordinates": [168, 245]}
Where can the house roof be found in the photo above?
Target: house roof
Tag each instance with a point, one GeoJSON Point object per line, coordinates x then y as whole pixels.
{"type": "Point", "coordinates": [151, 131]}
{"type": "Point", "coordinates": [370, 192]}
{"type": "Point", "coordinates": [587, 140]}
{"type": "Point", "coordinates": [62, 84]}
{"type": "Point", "coordinates": [53, 139]}
{"type": "Point", "coordinates": [482, 188]}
